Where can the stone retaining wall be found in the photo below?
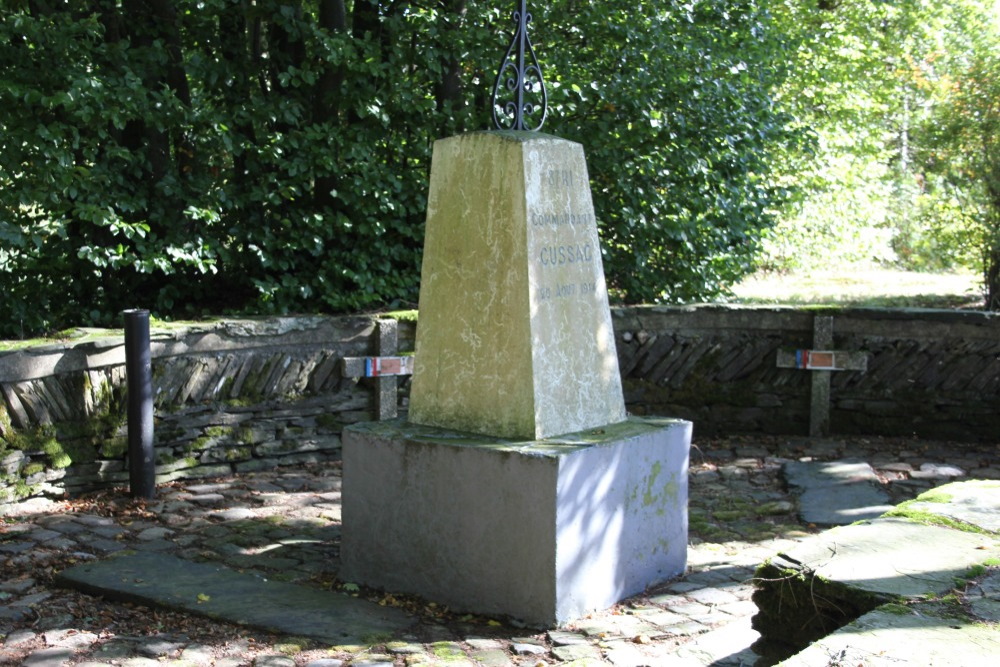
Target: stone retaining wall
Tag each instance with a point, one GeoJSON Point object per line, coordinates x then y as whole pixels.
{"type": "Point", "coordinates": [235, 396]}
{"type": "Point", "coordinates": [931, 373]}
{"type": "Point", "coordinates": [246, 395]}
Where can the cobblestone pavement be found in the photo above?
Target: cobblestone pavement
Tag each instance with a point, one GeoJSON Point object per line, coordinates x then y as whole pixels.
{"type": "Point", "coordinates": [285, 524]}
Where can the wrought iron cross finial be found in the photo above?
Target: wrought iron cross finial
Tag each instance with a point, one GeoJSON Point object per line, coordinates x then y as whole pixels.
{"type": "Point", "coordinates": [519, 77]}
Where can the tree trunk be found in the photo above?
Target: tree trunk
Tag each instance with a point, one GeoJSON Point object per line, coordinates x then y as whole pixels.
{"type": "Point", "coordinates": [332, 19]}
{"type": "Point", "coordinates": [326, 97]}
{"type": "Point", "coordinates": [237, 46]}
{"type": "Point", "coordinates": [992, 279]}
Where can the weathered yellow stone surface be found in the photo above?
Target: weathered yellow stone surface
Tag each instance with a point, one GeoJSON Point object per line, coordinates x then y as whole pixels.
{"type": "Point", "coordinates": [515, 336]}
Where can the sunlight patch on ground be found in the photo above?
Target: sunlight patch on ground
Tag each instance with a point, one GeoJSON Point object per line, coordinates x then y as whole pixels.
{"type": "Point", "coordinates": [863, 287]}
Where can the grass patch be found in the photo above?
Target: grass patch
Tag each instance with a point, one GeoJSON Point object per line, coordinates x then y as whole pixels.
{"type": "Point", "coordinates": [863, 287]}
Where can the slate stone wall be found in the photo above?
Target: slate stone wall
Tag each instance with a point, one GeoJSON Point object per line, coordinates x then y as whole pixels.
{"type": "Point", "coordinates": [931, 373]}
{"type": "Point", "coordinates": [244, 395]}
{"type": "Point", "coordinates": [232, 397]}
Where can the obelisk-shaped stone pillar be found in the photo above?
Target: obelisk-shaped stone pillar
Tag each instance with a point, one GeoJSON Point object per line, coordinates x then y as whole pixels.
{"type": "Point", "coordinates": [515, 337]}
{"type": "Point", "coordinates": [518, 486]}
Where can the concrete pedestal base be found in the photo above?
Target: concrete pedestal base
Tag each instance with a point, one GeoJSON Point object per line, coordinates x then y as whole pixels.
{"type": "Point", "coordinates": [542, 531]}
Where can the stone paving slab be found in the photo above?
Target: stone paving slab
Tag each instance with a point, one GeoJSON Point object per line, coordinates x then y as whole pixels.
{"type": "Point", "coordinates": [892, 557]}
{"type": "Point", "coordinates": [982, 597]}
{"type": "Point", "coordinates": [818, 586]}
{"type": "Point", "coordinates": [265, 520]}
{"type": "Point", "coordinates": [836, 493]}
{"type": "Point", "coordinates": [976, 502]}
{"type": "Point", "coordinates": [845, 572]}
{"type": "Point", "coordinates": [889, 638]}
{"type": "Point", "coordinates": [723, 647]}
{"type": "Point", "coordinates": [247, 599]}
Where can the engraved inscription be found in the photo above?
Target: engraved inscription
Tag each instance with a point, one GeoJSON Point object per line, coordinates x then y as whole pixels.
{"type": "Point", "coordinates": [560, 219]}
{"type": "Point", "coordinates": [569, 252]}
{"type": "Point", "coordinates": [564, 290]}
{"type": "Point", "coordinates": [560, 255]}
{"type": "Point", "coordinates": [559, 177]}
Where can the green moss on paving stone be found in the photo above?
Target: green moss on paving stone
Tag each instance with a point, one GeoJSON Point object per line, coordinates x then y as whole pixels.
{"type": "Point", "coordinates": [447, 651]}
{"type": "Point", "coordinates": [376, 638]}
{"type": "Point", "coordinates": [895, 608]}
{"type": "Point", "coordinates": [935, 496]}
{"type": "Point", "coordinates": [907, 511]}
{"type": "Point", "coordinates": [293, 645]}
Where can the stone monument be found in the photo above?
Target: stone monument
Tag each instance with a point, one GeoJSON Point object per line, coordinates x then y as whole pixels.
{"type": "Point", "coordinates": [515, 336]}
{"type": "Point", "coordinates": [518, 486]}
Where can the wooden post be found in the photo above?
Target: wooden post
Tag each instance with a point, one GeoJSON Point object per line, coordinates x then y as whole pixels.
{"type": "Point", "coordinates": [822, 361]}
{"type": "Point", "coordinates": [819, 401]}
{"type": "Point", "coordinates": [383, 368]}
{"type": "Point", "coordinates": [385, 396]}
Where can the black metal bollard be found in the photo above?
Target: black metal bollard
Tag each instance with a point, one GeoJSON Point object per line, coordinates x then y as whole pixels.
{"type": "Point", "coordinates": [139, 371]}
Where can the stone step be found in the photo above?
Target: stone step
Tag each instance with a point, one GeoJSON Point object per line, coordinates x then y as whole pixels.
{"type": "Point", "coordinates": [894, 635]}
{"type": "Point", "coordinates": [917, 553]}
{"type": "Point", "coordinates": [246, 599]}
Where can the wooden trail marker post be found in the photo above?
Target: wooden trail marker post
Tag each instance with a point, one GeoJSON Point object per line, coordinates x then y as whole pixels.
{"type": "Point", "coordinates": [385, 368]}
{"type": "Point", "coordinates": [822, 361]}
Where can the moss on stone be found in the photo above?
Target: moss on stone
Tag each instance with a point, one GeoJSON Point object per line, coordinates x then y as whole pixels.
{"type": "Point", "coordinates": [32, 469]}
{"type": "Point", "coordinates": [935, 496]}
{"type": "Point", "coordinates": [114, 448]}
{"type": "Point", "coordinates": [896, 608]}
{"type": "Point", "coordinates": [401, 315]}
{"type": "Point", "coordinates": [447, 651]}
{"type": "Point", "coordinates": [14, 488]}
{"type": "Point", "coordinates": [908, 511]}
{"type": "Point", "coordinates": [5, 424]}
{"type": "Point", "coordinates": [237, 454]}
{"type": "Point", "coordinates": [241, 402]}
{"type": "Point", "coordinates": [165, 459]}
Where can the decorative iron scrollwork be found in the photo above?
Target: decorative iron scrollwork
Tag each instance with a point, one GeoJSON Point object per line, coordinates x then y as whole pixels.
{"type": "Point", "coordinates": [519, 95]}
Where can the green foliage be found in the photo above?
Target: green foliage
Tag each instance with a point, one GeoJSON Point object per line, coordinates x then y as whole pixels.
{"type": "Point", "coordinates": [961, 128]}
{"type": "Point", "coordinates": [681, 132]}
{"type": "Point", "coordinates": [270, 157]}
{"type": "Point", "coordinates": [899, 96]}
